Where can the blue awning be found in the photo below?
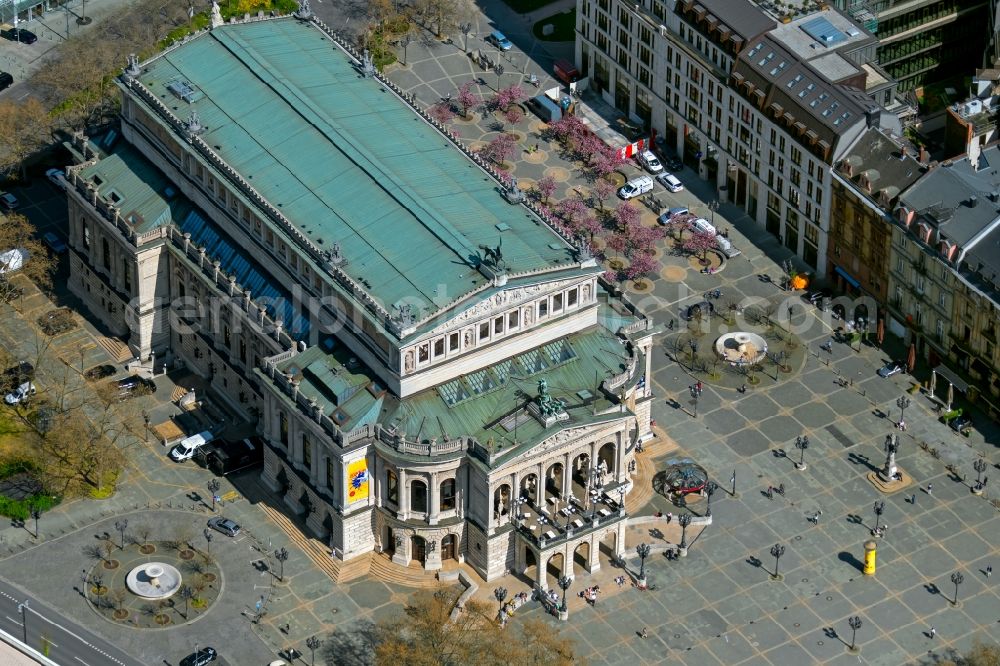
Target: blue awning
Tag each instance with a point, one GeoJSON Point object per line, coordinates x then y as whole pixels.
{"type": "Point", "coordinates": [844, 274]}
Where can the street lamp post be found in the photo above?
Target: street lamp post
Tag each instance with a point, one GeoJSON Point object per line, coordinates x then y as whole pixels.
{"type": "Point", "coordinates": [733, 481]}
{"type": "Point", "coordinates": [500, 594]}
{"type": "Point", "coordinates": [979, 466]}
{"type": "Point", "coordinates": [693, 344]}
{"type": "Point", "coordinates": [313, 644]}
{"type": "Point", "coordinates": [902, 402]}
{"type": "Point", "coordinates": [855, 624]}
{"type": "Point", "coordinates": [957, 578]}
{"type": "Point", "coordinates": [499, 71]}
{"type": "Point", "coordinates": [642, 550]}
{"type": "Point", "coordinates": [23, 607]}
{"type": "Point", "coordinates": [712, 207]}
{"type": "Point", "coordinates": [777, 551]}
{"type": "Point", "coordinates": [878, 508]}
{"type": "Point", "coordinates": [121, 526]}
{"type": "Point", "coordinates": [695, 393]}
{"type": "Point", "coordinates": [405, 41]}
{"type": "Point", "coordinates": [281, 555]}
{"type": "Point", "coordinates": [466, 28]}
{"type": "Point", "coordinates": [683, 520]}
{"type": "Point", "coordinates": [564, 583]}
{"type": "Point", "coordinates": [801, 443]}
{"type": "Point", "coordinates": [213, 489]}
{"type": "Point", "coordinates": [145, 420]}
{"type": "Point", "coordinates": [36, 514]}
{"type": "Point", "coordinates": [710, 489]}
{"type": "Point", "coordinates": [208, 540]}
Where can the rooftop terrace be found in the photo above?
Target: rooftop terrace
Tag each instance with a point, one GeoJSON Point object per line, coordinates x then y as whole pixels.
{"type": "Point", "coordinates": [348, 162]}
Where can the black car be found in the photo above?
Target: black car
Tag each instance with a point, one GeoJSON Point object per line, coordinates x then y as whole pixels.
{"type": "Point", "coordinates": [100, 372]}
{"type": "Point", "coordinates": [6, 80]}
{"type": "Point", "coordinates": [231, 456]}
{"type": "Point", "coordinates": [673, 163]}
{"type": "Point", "coordinates": [205, 655]}
{"type": "Point", "coordinates": [21, 35]}
{"type": "Point", "coordinates": [699, 310]}
{"type": "Point", "coordinates": [134, 385]}
{"type": "Point", "coordinates": [892, 368]}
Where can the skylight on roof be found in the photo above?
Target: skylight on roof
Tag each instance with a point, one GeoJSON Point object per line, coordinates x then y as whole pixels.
{"type": "Point", "coordinates": [808, 89]}
{"type": "Point", "coordinates": [755, 50]}
{"type": "Point", "coordinates": [766, 59]}
{"type": "Point", "coordinates": [795, 81]}
{"type": "Point", "coordinates": [780, 67]}
{"type": "Point", "coordinates": [823, 31]}
{"type": "Point", "coordinates": [822, 98]}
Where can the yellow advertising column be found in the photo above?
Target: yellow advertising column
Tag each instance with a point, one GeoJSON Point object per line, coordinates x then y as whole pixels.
{"type": "Point", "coordinates": [869, 569]}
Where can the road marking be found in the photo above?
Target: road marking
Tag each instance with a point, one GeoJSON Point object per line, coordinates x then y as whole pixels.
{"type": "Point", "coordinates": [81, 661]}
{"type": "Point", "coordinates": [13, 620]}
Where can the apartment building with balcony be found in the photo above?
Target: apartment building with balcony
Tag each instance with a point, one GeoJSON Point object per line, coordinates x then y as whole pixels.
{"type": "Point", "coordinates": [867, 184]}
{"type": "Point", "coordinates": [924, 41]}
{"type": "Point", "coordinates": [439, 374]}
{"type": "Point", "coordinates": [760, 107]}
{"type": "Point", "coordinates": [943, 270]}
{"type": "Point", "coordinates": [971, 125]}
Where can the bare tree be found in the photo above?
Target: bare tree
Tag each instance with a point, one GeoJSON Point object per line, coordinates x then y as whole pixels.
{"type": "Point", "coordinates": [25, 128]}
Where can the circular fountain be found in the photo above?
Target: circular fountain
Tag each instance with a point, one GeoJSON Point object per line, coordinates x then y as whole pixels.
{"type": "Point", "coordinates": [741, 348]}
{"type": "Point", "coordinates": [153, 580]}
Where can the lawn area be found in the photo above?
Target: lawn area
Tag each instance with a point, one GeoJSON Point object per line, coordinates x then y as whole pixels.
{"type": "Point", "coordinates": [565, 27]}
{"type": "Point", "coordinates": [525, 6]}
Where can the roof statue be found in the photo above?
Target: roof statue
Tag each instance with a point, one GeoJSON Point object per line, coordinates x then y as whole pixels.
{"type": "Point", "coordinates": [334, 256]}
{"type": "Point", "coordinates": [494, 255]}
{"type": "Point", "coordinates": [132, 70]}
{"type": "Point", "coordinates": [546, 403]}
{"type": "Point", "coordinates": [367, 65]}
{"type": "Point", "coordinates": [304, 11]}
{"type": "Point", "coordinates": [404, 314]}
{"type": "Point", "coordinates": [216, 15]}
{"type": "Point", "coordinates": [193, 125]}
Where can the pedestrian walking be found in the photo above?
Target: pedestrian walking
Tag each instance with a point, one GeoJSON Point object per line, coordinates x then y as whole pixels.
{"type": "Point", "coordinates": [930, 488]}
{"type": "Point", "coordinates": [770, 493]}
{"type": "Point", "coordinates": [645, 632]}
{"type": "Point", "coordinates": [913, 498]}
{"type": "Point", "coordinates": [989, 571]}
{"type": "Point", "coordinates": [933, 632]}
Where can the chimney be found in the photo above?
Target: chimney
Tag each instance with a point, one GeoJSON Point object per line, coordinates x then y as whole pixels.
{"type": "Point", "coordinates": [924, 156]}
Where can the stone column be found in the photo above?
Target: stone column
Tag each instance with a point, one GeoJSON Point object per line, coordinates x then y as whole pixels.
{"type": "Point", "coordinates": [595, 554]}
{"type": "Point", "coordinates": [619, 447]}
{"type": "Point", "coordinates": [567, 479]}
{"type": "Point", "coordinates": [434, 504]}
{"type": "Point", "coordinates": [404, 497]}
{"type": "Point", "coordinates": [401, 553]}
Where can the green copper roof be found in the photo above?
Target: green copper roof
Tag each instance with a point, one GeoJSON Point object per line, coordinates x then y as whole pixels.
{"type": "Point", "coordinates": [142, 193]}
{"type": "Point", "coordinates": [478, 404]}
{"type": "Point", "coordinates": [347, 161]}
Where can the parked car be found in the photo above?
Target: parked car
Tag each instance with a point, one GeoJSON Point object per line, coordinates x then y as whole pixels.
{"type": "Point", "coordinates": [57, 177]}
{"type": "Point", "coordinates": [20, 394]}
{"type": "Point", "coordinates": [499, 40]}
{"type": "Point", "coordinates": [635, 187]}
{"type": "Point", "coordinates": [670, 181]}
{"type": "Point", "coordinates": [647, 159]}
{"type": "Point", "coordinates": [224, 525]}
{"type": "Point", "coordinates": [100, 371]}
{"type": "Point", "coordinates": [21, 35]}
{"type": "Point", "coordinates": [200, 657]}
{"type": "Point", "coordinates": [6, 80]}
{"type": "Point", "coordinates": [702, 309]}
{"type": "Point", "coordinates": [671, 213]}
{"type": "Point", "coordinates": [189, 446]}
{"type": "Point", "coordinates": [8, 201]}
{"type": "Point", "coordinates": [891, 368]}
{"type": "Point", "coordinates": [54, 243]}
{"type": "Point", "coordinates": [134, 385]}
{"type": "Point", "coordinates": [673, 163]}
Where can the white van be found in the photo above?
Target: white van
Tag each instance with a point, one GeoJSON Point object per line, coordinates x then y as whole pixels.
{"type": "Point", "coordinates": [635, 187]}
{"type": "Point", "coordinates": [649, 160]}
{"type": "Point", "coordinates": [704, 226]}
{"type": "Point", "coordinates": [188, 446]}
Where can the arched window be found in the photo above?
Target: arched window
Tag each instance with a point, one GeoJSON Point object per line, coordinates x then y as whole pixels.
{"type": "Point", "coordinates": [418, 497]}
{"type": "Point", "coordinates": [447, 495]}
{"type": "Point", "coordinates": [391, 486]}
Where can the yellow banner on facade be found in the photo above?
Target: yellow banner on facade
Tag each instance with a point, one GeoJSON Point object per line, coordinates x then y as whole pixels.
{"type": "Point", "coordinates": [357, 480]}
